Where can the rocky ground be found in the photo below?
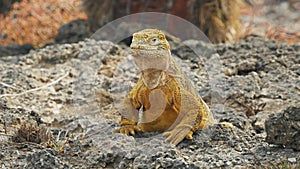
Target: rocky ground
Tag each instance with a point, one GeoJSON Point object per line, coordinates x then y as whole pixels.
{"type": "Point", "coordinates": [59, 106]}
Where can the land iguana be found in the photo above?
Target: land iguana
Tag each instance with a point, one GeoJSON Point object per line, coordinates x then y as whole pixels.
{"type": "Point", "coordinates": [163, 100]}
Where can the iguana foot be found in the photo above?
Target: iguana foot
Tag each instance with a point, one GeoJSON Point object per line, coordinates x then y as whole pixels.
{"type": "Point", "coordinates": [128, 129]}
{"type": "Point", "coordinates": [176, 135]}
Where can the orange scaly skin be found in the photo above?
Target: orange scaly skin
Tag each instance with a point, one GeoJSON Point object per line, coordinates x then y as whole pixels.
{"type": "Point", "coordinates": [163, 99]}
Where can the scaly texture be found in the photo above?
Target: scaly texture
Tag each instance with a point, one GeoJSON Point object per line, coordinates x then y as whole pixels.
{"type": "Point", "coordinates": [164, 99]}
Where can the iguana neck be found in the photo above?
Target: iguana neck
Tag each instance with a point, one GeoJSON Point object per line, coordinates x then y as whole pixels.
{"type": "Point", "coordinates": [153, 78]}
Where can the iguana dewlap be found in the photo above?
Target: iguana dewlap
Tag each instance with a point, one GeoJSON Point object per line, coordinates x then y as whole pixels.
{"type": "Point", "coordinates": [163, 100]}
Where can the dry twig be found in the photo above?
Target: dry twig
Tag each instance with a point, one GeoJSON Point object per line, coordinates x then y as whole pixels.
{"type": "Point", "coordinates": [36, 89]}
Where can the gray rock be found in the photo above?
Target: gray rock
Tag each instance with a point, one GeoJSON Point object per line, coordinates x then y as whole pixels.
{"type": "Point", "coordinates": [259, 121]}
{"type": "Point", "coordinates": [15, 49]}
{"type": "Point", "coordinates": [6, 6]}
{"type": "Point", "coordinates": [81, 109]}
{"type": "Point", "coordinates": [45, 159]}
{"type": "Point", "coordinates": [238, 119]}
{"type": "Point", "coordinates": [284, 129]}
{"type": "Point", "coordinates": [73, 31]}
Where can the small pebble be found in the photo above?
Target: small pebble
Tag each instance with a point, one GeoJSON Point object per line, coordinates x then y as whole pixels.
{"type": "Point", "coordinates": [292, 160]}
{"type": "Point", "coordinates": [238, 148]}
{"type": "Point", "coordinates": [228, 163]}
{"type": "Point", "coordinates": [4, 138]}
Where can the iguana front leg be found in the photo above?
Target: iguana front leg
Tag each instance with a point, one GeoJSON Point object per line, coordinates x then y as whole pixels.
{"type": "Point", "coordinates": [192, 115]}
{"type": "Point", "coordinates": [129, 117]}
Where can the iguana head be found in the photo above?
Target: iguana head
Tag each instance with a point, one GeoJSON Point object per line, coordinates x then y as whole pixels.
{"type": "Point", "coordinates": [151, 52]}
{"type": "Point", "coordinates": [149, 39]}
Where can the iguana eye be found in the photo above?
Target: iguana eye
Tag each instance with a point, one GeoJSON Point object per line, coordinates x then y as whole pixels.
{"type": "Point", "coordinates": [154, 41]}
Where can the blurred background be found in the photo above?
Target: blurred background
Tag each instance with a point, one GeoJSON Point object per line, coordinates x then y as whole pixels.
{"type": "Point", "coordinates": [27, 24]}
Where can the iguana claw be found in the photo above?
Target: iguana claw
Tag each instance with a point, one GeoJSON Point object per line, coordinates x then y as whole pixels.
{"type": "Point", "coordinates": [128, 129]}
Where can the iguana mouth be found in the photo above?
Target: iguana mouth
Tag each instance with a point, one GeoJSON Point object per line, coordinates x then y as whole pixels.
{"type": "Point", "coordinates": [151, 59]}
{"type": "Point", "coordinates": [143, 47]}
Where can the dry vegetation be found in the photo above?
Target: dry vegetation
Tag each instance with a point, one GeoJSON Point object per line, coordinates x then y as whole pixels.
{"type": "Point", "coordinates": [37, 21]}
